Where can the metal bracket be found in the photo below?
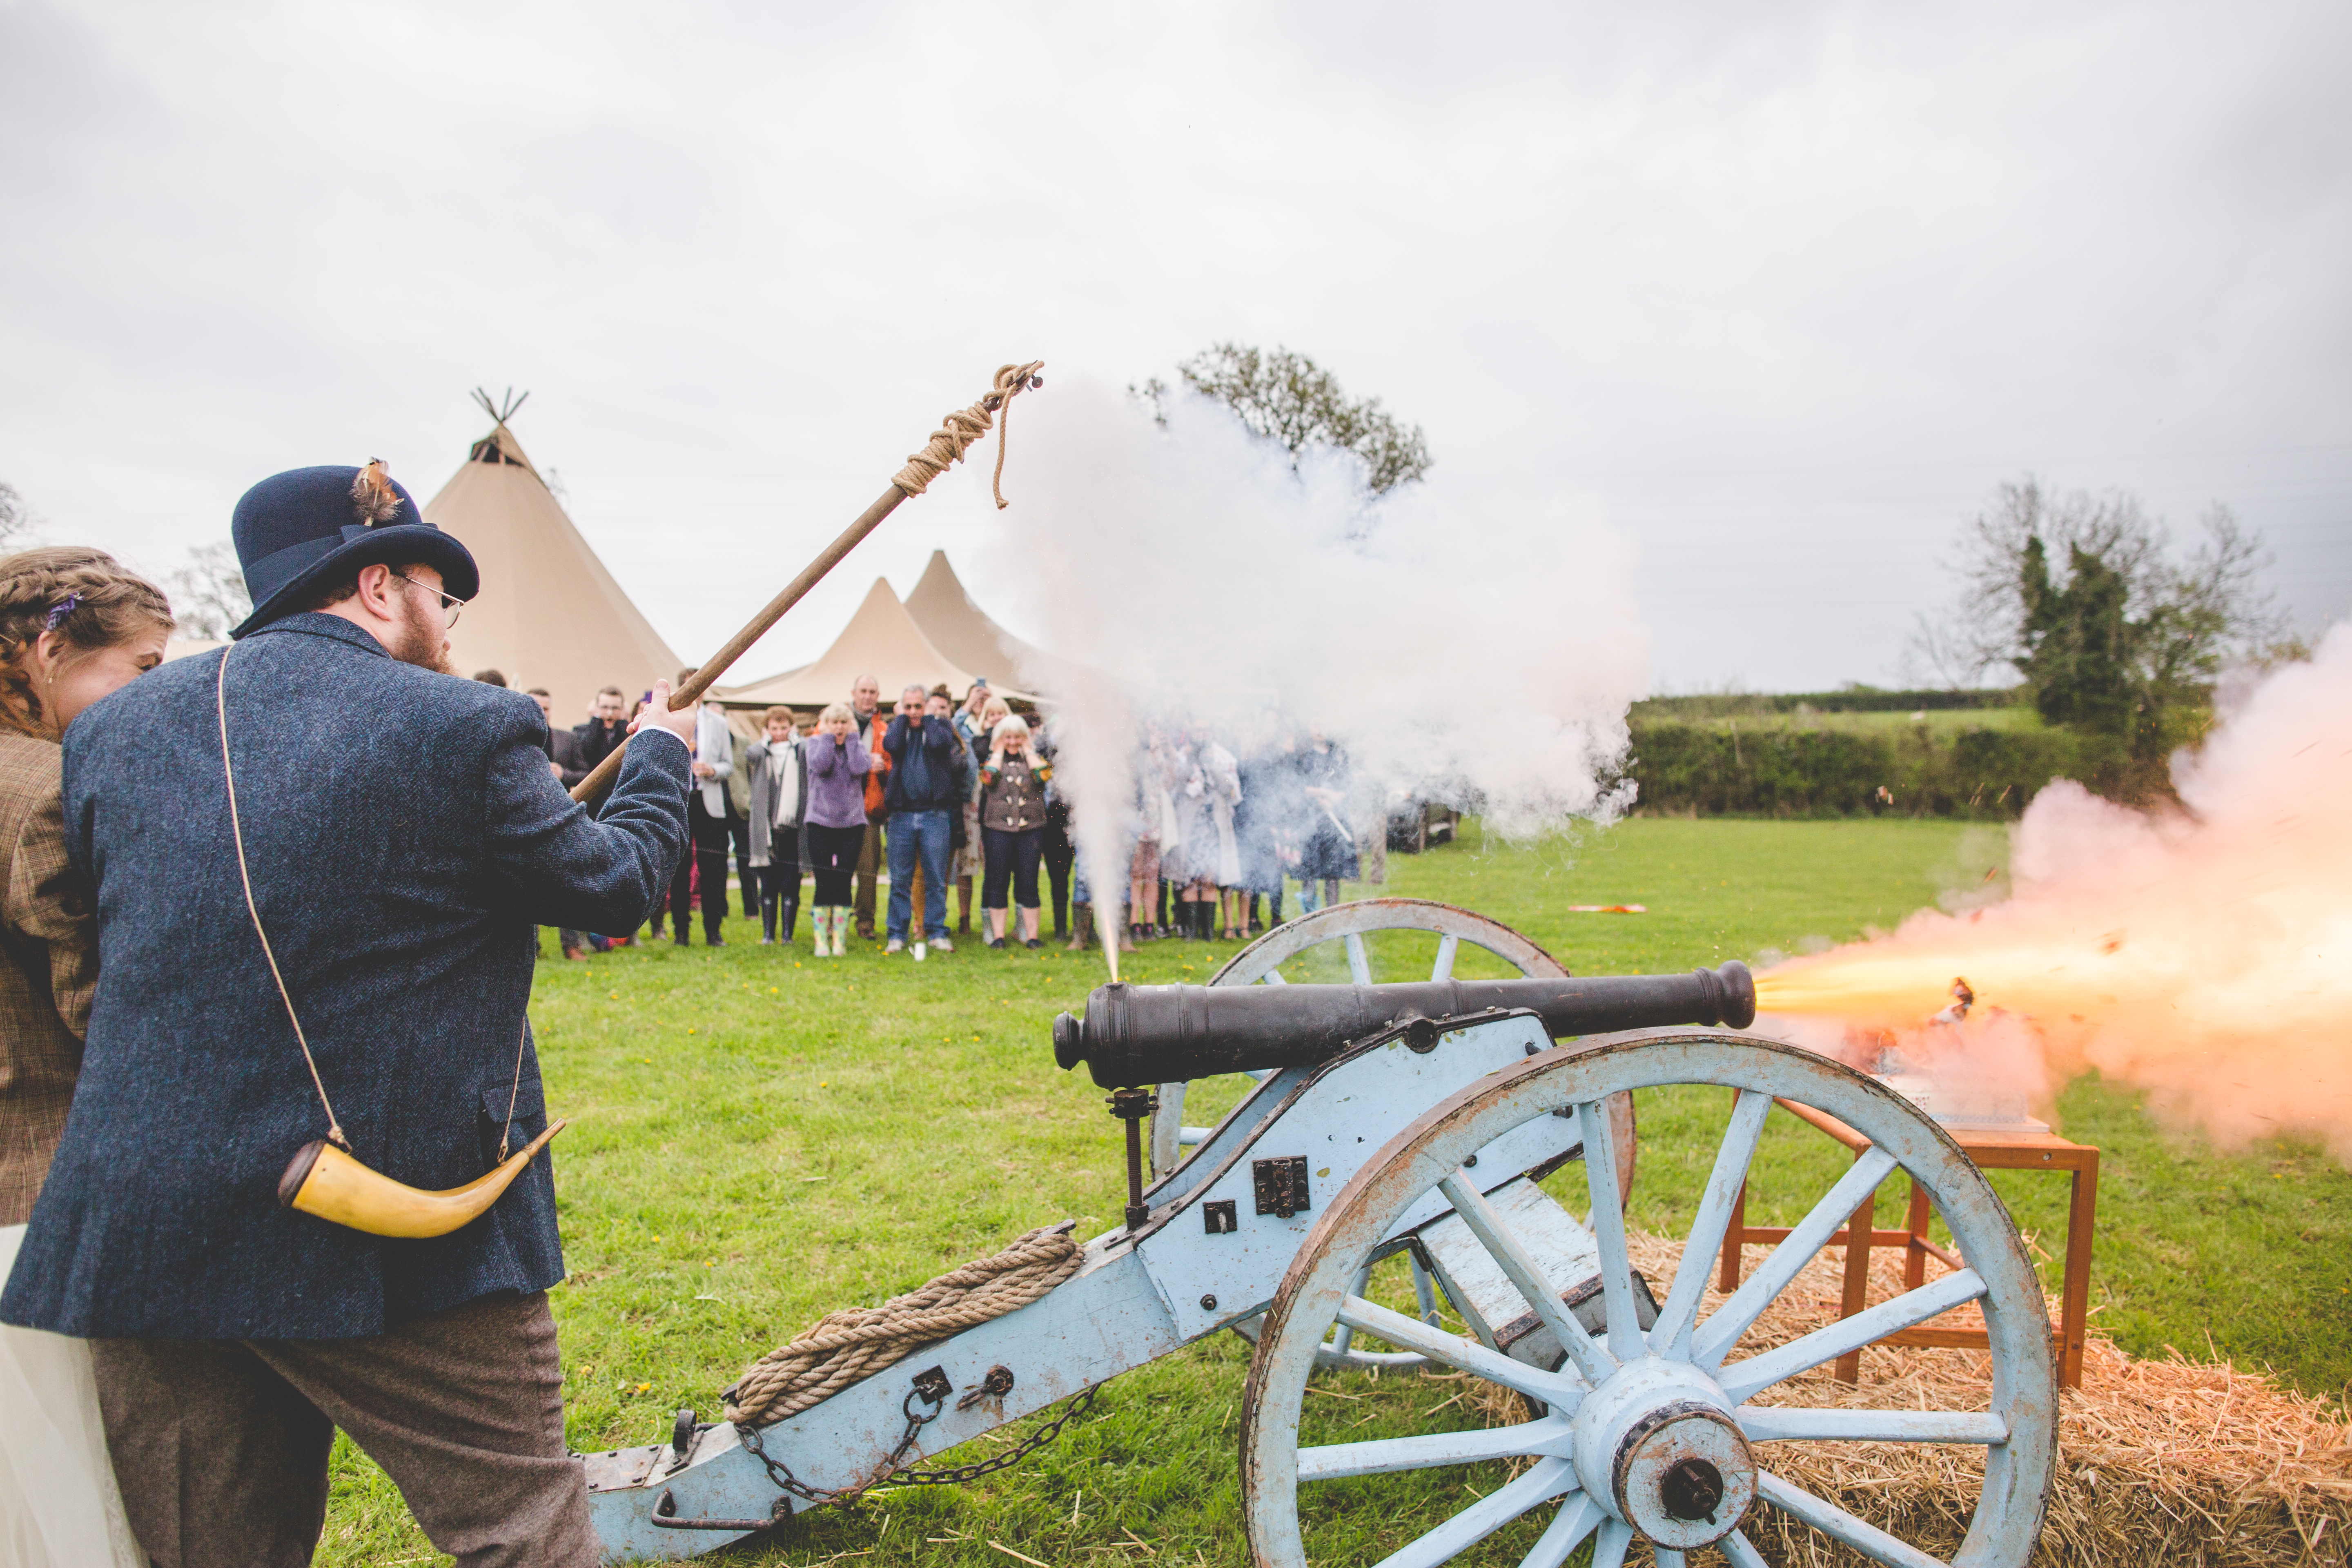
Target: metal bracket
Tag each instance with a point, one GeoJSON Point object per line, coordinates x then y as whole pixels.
{"type": "Point", "coordinates": [994, 1386]}
{"type": "Point", "coordinates": [1280, 1185]}
{"type": "Point", "coordinates": [684, 1434]}
{"type": "Point", "coordinates": [1218, 1216]}
{"type": "Point", "coordinates": [664, 1517]}
{"type": "Point", "coordinates": [1131, 1106]}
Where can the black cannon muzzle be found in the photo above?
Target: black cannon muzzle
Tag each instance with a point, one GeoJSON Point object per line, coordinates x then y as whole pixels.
{"type": "Point", "coordinates": [1137, 1035]}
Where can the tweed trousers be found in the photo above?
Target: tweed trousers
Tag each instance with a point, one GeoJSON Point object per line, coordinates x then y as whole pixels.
{"type": "Point", "coordinates": [870, 861]}
{"type": "Point", "coordinates": [221, 1446]}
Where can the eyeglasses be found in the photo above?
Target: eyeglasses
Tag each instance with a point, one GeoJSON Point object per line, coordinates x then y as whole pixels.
{"type": "Point", "coordinates": [451, 606]}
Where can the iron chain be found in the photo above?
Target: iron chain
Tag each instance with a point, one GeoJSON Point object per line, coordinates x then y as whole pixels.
{"type": "Point", "coordinates": [893, 1475]}
{"type": "Point", "coordinates": [1075, 1407]}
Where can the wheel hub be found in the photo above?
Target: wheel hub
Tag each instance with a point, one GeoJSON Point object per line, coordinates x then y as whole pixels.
{"type": "Point", "coordinates": [1692, 1490]}
{"type": "Point", "coordinates": [1657, 1446]}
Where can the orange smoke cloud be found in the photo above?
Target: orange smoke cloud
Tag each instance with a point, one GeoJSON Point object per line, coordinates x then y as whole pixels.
{"type": "Point", "coordinates": [2205, 957]}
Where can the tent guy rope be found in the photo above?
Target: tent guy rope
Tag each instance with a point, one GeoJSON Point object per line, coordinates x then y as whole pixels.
{"type": "Point", "coordinates": [956, 432]}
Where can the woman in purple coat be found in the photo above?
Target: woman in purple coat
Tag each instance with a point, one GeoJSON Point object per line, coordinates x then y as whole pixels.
{"type": "Point", "coordinates": [834, 828]}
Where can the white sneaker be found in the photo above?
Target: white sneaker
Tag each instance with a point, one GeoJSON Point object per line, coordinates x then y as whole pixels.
{"type": "Point", "coordinates": [941, 944]}
{"type": "Point", "coordinates": [895, 945]}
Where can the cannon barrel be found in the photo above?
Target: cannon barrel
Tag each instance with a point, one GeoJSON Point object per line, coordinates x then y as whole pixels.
{"type": "Point", "coordinates": [1137, 1035]}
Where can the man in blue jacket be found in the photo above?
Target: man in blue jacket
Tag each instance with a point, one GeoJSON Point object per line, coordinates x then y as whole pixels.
{"type": "Point", "coordinates": [922, 791]}
{"type": "Point", "coordinates": [405, 840]}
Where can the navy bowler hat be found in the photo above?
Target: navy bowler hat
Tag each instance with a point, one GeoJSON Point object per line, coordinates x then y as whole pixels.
{"type": "Point", "coordinates": [300, 529]}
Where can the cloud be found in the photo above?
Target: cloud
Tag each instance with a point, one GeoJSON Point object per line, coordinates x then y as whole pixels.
{"type": "Point", "coordinates": [1788, 292]}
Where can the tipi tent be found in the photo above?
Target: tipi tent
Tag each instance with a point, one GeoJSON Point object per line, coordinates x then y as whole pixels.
{"type": "Point", "coordinates": [549, 613]}
{"type": "Point", "coordinates": [962, 630]}
{"type": "Point", "coordinates": [881, 640]}
{"type": "Point", "coordinates": [182, 647]}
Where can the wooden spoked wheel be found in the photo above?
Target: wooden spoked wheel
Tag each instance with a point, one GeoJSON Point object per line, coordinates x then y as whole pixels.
{"type": "Point", "coordinates": [1260, 964]}
{"type": "Point", "coordinates": [1657, 1433]}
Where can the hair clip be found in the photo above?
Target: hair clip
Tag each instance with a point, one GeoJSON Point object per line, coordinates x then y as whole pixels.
{"type": "Point", "coordinates": [60, 610]}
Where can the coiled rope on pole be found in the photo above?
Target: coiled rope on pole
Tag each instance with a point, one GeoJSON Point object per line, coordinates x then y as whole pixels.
{"type": "Point", "coordinates": [858, 1342]}
{"type": "Point", "coordinates": [961, 428]}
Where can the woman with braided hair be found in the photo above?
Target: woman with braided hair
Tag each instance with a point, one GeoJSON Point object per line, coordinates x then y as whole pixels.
{"type": "Point", "coordinates": [74, 627]}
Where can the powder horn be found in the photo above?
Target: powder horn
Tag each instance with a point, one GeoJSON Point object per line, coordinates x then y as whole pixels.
{"type": "Point", "coordinates": [325, 1181]}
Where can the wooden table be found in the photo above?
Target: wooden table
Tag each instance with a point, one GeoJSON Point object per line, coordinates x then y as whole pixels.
{"type": "Point", "coordinates": [1991, 1149]}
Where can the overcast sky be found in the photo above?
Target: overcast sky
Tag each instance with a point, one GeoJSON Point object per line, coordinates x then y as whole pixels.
{"type": "Point", "coordinates": [1785, 290]}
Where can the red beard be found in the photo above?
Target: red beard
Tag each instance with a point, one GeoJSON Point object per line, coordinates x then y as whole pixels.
{"type": "Point", "coordinates": [420, 642]}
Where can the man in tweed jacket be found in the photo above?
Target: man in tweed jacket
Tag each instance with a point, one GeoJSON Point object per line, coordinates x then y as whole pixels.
{"type": "Point", "coordinates": [405, 841]}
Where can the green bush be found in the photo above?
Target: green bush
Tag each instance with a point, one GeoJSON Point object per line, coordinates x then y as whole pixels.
{"type": "Point", "coordinates": [1788, 770]}
{"type": "Point", "coordinates": [1848, 700]}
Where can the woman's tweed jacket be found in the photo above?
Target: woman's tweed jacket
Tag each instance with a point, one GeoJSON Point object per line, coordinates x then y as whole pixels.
{"type": "Point", "coordinates": [406, 840]}
{"type": "Point", "coordinates": [51, 946]}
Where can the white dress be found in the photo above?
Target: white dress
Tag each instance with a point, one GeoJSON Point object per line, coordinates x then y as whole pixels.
{"type": "Point", "coordinates": [1221, 777]}
{"type": "Point", "coordinates": [59, 1505]}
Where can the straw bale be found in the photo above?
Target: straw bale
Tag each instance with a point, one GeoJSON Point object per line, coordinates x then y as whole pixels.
{"type": "Point", "coordinates": [2162, 1464]}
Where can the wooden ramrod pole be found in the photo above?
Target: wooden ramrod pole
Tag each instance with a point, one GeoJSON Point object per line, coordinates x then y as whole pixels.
{"type": "Point", "coordinates": [946, 445]}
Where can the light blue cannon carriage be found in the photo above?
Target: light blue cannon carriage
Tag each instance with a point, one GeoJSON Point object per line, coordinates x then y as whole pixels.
{"type": "Point", "coordinates": [1420, 1120]}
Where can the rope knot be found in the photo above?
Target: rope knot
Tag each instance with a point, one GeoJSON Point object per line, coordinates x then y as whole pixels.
{"type": "Point", "coordinates": [959, 429]}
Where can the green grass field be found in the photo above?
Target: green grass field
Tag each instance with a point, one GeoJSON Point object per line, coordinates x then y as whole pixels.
{"type": "Point", "coordinates": [759, 1138]}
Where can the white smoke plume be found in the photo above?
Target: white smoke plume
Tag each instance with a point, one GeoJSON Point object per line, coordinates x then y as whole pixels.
{"type": "Point", "coordinates": [1482, 656]}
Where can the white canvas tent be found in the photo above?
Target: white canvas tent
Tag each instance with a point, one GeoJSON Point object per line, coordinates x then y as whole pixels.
{"type": "Point", "coordinates": [881, 640]}
{"type": "Point", "coordinates": [963, 631]}
{"type": "Point", "coordinates": [182, 648]}
{"type": "Point", "coordinates": [549, 613]}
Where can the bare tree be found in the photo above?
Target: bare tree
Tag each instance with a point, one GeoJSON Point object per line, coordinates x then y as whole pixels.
{"type": "Point", "coordinates": [18, 521]}
{"type": "Point", "coordinates": [2081, 596]}
{"type": "Point", "coordinates": [208, 594]}
{"type": "Point", "coordinates": [1287, 397]}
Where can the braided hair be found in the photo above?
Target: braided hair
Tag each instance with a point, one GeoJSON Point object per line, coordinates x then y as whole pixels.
{"type": "Point", "coordinates": [82, 594]}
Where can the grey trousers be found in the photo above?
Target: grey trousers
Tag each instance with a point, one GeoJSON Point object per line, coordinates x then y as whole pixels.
{"type": "Point", "coordinates": [221, 1446]}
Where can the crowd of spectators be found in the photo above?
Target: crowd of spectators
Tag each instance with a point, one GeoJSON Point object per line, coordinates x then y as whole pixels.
{"type": "Point", "coordinates": [945, 794]}
{"type": "Point", "coordinates": [1224, 818]}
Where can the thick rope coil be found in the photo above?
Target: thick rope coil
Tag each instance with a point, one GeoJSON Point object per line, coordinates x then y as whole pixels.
{"type": "Point", "coordinates": [966, 425]}
{"type": "Point", "coordinates": [858, 1342]}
